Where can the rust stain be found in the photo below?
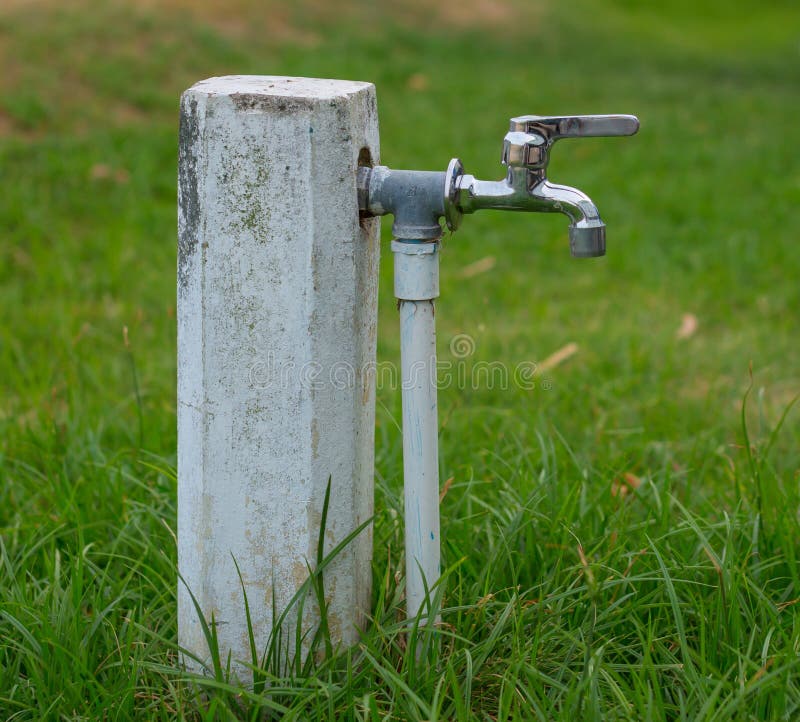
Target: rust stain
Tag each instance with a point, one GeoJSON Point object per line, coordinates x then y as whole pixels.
{"type": "Point", "coordinates": [299, 573]}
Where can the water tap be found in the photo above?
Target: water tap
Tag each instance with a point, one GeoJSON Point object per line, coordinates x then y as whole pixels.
{"type": "Point", "coordinates": [417, 199]}
{"type": "Point", "coordinates": [526, 154]}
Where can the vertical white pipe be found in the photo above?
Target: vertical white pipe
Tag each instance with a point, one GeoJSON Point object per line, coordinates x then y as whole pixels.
{"type": "Point", "coordinates": [416, 285]}
{"type": "Point", "coordinates": [277, 302]}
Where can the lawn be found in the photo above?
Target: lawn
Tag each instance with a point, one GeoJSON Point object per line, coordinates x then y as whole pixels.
{"type": "Point", "coordinates": [622, 541]}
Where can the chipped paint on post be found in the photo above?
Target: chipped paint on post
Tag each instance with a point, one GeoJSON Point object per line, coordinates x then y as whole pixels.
{"type": "Point", "coordinates": [276, 276]}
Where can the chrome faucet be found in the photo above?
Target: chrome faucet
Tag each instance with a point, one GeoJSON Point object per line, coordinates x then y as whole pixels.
{"type": "Point", "coordinates": [526, 154]}
{"type": "Point", "coordinates": [417, 199]}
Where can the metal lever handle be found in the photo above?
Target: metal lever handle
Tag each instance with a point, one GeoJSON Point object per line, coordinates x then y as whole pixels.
{"type": "Point", "coordinates": [528, 142]}
{"type": "Point", "coordinates": [575, 126]}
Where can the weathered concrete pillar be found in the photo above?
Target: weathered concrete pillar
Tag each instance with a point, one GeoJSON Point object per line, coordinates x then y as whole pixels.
{"type": "Point", "coordinates": [277, 300]}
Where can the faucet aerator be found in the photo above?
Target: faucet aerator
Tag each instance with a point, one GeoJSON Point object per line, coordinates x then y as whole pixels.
{"type": "Point", "coordinates": [587, 239]}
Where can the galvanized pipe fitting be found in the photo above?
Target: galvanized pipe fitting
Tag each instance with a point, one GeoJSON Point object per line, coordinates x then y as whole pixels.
{"type": "Point", "coordinates": [416, 270]}
{"type": "Point", "coordinates": [414, 197]}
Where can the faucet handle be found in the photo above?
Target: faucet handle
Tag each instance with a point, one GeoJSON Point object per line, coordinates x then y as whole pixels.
{"type": "Point", "coordinates": [553, 127]}
{"type": "Point", "coordinates": [530, 137]}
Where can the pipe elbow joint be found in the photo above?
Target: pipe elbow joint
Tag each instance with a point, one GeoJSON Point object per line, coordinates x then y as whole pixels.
{"type": "Point", "coordinates": [414, 198]}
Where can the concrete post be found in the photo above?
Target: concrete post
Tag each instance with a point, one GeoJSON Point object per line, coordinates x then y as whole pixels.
{"type": "Point", "coordinates": [277, 302]}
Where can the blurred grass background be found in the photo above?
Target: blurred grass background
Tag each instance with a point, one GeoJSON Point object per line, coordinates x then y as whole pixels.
{"type": "Point", "coordinates": [702, 236]}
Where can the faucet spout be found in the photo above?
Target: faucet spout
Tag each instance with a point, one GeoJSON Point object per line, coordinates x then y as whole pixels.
{"type": "Point", "coordinates": [587, 232]}
{"type": "Point", "coordinates": [523, 190]}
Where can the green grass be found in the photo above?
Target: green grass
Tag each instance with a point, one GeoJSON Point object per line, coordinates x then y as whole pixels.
{"type": "Point", "coordinates": [565, 597]}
